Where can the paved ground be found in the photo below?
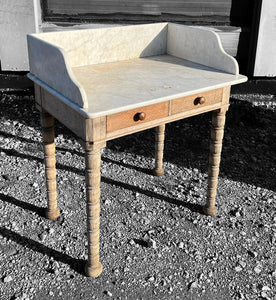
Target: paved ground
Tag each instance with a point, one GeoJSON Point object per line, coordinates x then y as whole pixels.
{"type": "Point", "coordinates": [189, 256]}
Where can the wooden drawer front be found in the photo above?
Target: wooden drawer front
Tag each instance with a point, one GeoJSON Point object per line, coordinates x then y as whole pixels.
{"type": "Point", "coordinates": [131, 117]}
{"type": "Point", "coordinates": [191, 102]}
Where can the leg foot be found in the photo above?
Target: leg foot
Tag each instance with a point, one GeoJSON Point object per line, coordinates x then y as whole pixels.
{"type": "Point", "coordinates": [158, 172]}
{"type": "Point", "coordinates": [210, 211]}
{"type": "Point", "coordinates": [159, 147]}
{"type": "Point", "coordinates": [52, 214]}
{"type": "Point", "coordinates": [93, 271]}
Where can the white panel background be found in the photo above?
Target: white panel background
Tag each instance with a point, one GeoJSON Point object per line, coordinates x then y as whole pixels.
{"type": "Point", "coordinates": [16, 20]}
{"type": "Point", "coordinates": [265, 61]}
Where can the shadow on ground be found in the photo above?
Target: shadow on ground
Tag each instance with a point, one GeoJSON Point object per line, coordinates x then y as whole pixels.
{"type": "Point", "coordinates": [75, 264]}
{"type": "Point", "coordinates": [249, 145]}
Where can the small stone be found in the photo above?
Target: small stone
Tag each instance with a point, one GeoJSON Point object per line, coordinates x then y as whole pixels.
{"type": "Point", "coordinates": [273, 273]}
{"type": "Point", "coordinates": [51, 230]}
{"type": "Point", "coordinates": [7, 279]}
{"type": "Point", "coordinates": [163, 283]}
{"type": "Point", "coordinates": [193, 285]}
{"type": "Point", "coordinates": [251, 253]}
{"type": "Point", "coordinates": [108, 293]}
{"type": "Point", "coordinates": [269, 201]}
{"type": "Point", "coordinates": [56, 272]}
{"type": "Point", "coordinates": [151, 279]}
{"type": "Point", "coordinates": [200, 276]}
{"type": "Point", "coordinates": [11, 252]}
{"type": "Point", "coordinates": [265, 296]}
{"type": "Point", "coordinates": [132, 242]}
{"type": "Point", "coordinates": [181, 245]}
{"type": "Point", "coordinates": [107, 202]}
{"type": "Point", "coordinates": [242, 263]}
{"type": "Point", "coordinates": [43, 236]}
{"type": "Point", "coordinates": [14, 226]}
{"type": "Point", "coordinates": [253, 158]}
{"type": "Point", "coordinates": [151, 244]}
{"type": "Point", "coordinates": [238, 269]}
{"type": "Point", "coordinates": [265, 288]}
{"type": "Point", "coordinates": [6, 177]}
{"type": "Point", "coordinates": [241, 296]}
{"type": "Point", "coordinates": [257, 270]}
{"type": "Point", "coordinates": [241, 124]}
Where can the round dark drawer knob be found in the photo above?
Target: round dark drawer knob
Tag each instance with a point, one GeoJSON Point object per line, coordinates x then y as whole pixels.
{"type": "Point", "coordinates": [139, 116]}
{"type": "Point", "coordinates": [199, 100]}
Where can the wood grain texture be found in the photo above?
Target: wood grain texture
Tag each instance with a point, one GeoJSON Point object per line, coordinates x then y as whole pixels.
{"type": "Point", "coordinates": [95, 129]}
{"type": "Point", "coordinates": [48, 135]}
{"type": "Point", "coordinates": [93, 180]}
{"type": "Point", "coordinates": [226, 95]}
{"type": "Point", "coordinates": [188, 103]}
{"type": "Point", "coordinates": [161, 121]}
{"type": "Point", "coordinates": [159, 148]}
{"type": "Point", "coordinates": [218, 121]}
{"type": "Point", "coordinates": [128, 118]}
{"type": "Point", "coordinates": [60, 110]}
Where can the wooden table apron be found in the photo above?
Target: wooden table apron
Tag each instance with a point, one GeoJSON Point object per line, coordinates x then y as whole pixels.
{"type": "Point", "coordinates": [94, 132]}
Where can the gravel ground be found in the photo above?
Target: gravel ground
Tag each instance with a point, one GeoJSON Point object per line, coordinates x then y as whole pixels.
{"type": "Point", "coordinates": [155, 242]}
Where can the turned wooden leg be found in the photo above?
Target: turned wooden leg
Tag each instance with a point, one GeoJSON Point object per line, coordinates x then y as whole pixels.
{"type": "Point", "coordinates": [218, 121]}
{"type": "Point", "coordinates": [48, 136]}
{"type": "Point", "coordinates": [159, 147]}
{"type": "Point", "coordinates": [93, 180]}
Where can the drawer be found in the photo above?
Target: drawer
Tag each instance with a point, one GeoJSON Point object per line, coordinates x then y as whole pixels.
{"type": "Point", "coordinates": [137, 116]}
{"type": "Point", "coordinates": [196, 101]}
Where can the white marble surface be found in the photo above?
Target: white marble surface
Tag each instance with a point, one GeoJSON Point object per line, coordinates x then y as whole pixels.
{"type": "Point", "coordinates": [102, 45]}
{"type": "Point", "coordinates": [202, 46]}
{"type": "Point", "coordinates": [102, 70]}
{"type": "Point", "coordinates": [129, 84]}
{"type": "Point", "coordinates": [53, 54]}
{"type": "Point", "coordinates": [50, 64]}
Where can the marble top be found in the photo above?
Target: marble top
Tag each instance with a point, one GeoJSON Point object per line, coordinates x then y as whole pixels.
{"type": "Point", "coordinates": [108, 70]}
{"type": "Point", "coordinates": [117, 86]}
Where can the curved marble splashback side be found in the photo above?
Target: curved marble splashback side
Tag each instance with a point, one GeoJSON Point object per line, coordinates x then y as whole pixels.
{"type": "Point", "coordinates": [50, 64]}
{"type": "Point", "coordinates": [201, 46]}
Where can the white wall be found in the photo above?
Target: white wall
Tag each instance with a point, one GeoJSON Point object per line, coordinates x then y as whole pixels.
{"type": "Point", "coordinates": [265, 61]}
{"type": "Point", "coordinates": [17, 18]}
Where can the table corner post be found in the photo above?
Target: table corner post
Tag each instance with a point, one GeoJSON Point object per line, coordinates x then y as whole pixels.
{"type": "Point", "coordinates": [48, 136]}
{"type": "Point", "coordinates": [93, 266]}
{"type": "Point", "coordinates": [218, 121]}
{"type": "Point", "coordinates": [159, 149]}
